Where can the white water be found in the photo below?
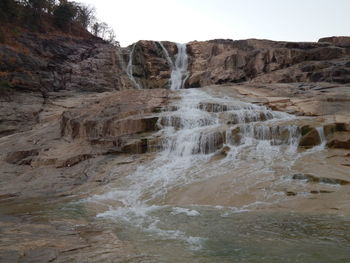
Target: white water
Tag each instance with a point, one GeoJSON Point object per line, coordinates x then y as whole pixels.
{"type": "Point", "coordinates": [166, 197]}
{"type": "Point", "coordinates": [179, 73]}
{"type": "Point", "coordinates": [129, 69]}
{"type": "Point", "coordinates": [178, 68]}
{"type": "Point", "coordinates": [261, 143]}
{"type": "Point", "coordinates": [322, 137]}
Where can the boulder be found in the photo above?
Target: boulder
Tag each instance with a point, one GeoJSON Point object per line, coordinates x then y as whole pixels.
{"type": "Point", "coordinates": [310, 139]}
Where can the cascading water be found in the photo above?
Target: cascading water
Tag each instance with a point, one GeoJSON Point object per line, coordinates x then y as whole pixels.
{"type": "Point", "coordinates": [179, 73]}
{"type": "Point", "coordinates": [220, 156]}
{"type": "Point", "coordinates": [129, 69]}
{"type": "Point", "coordinates": [178, 68]}
{"type": "Point", "coordinates": [219, 162]}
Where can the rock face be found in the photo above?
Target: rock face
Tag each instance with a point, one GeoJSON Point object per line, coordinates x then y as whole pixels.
{"type": "Point", "coordinates": [149, 63]}
{"type": "Point", "coordinates": [42, 63]}
{"type": "Point", "coordinates": [227, 61]}
{"type": "Point", "coordinates": [54, 63]}
{"type": "Point", "coordinates": [111, 120]}
{"type": "Point", "coordinates": [310, 139]}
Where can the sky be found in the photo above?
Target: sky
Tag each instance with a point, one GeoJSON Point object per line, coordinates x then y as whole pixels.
{"type": "Point", "coordinates": [188, 20]}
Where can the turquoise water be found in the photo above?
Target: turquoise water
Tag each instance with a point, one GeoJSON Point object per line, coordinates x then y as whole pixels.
{"type": "Point", "coordinates": [219, 235]}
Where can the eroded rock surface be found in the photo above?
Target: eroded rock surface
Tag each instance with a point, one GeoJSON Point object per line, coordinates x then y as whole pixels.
{"type": "Point", "coordinates": [227, 61]}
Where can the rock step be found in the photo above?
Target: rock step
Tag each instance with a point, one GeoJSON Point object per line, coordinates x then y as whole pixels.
{"type": "Point", "coordinates": [110, 127]}
{"type": "Point", "coordinates": [315, 179]}
{"type": "Point", "coordinates": [336, 135]}
{"type": "Point", "coordinates": [277, 135]}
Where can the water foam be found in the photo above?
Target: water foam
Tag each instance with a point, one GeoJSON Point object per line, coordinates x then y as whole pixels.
{"type": "Point", "coordinates": [198, 127]}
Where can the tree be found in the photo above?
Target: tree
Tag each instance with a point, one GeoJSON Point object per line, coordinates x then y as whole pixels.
{"type": "Point", "coordinates": [102, 30]}
{"type": "Point", "coordinates": [50, 6]}
{"type": "Point", "coordinates": [8, 10]}
{"type": "Point", "coordinates": [37, 5]}
{"type": "Point", "coordinates": [111, 37]}
{"type": "Point", "coordinates": [64, 14]}
{"type": "Point", "coordinates": [85, 15]}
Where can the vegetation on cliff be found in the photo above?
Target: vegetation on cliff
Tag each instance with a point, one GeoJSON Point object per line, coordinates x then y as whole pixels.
{"type": "Point", "coordinates": [44, 16]}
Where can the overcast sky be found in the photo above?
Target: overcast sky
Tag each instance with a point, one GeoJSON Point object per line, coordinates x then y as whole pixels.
{"type": "Point", "coordinates": [187, 20]}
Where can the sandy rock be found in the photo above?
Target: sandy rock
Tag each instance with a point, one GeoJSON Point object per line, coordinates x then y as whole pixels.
{"type": "Point", "coordinates": [339, 144]}
{"type": "Point", "coordinates": [310, 139]}
{"type": "Point", "coordinates": [227, 61]}
{"type": "Point", "coordinates": [314, 179]}
{"type": "Point", "coordinates": [21, 157]}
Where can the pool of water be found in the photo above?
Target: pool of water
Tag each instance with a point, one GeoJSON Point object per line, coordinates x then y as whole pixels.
{"type": "Point", "coordinates": [206, 234]}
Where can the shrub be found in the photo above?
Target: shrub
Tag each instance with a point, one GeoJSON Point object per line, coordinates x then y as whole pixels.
{"type": "Point", "coordinates": [64, 15]}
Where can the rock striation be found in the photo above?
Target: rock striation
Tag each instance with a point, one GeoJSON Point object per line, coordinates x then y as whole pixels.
{"type": "Point", "coordinates": [264, 61]}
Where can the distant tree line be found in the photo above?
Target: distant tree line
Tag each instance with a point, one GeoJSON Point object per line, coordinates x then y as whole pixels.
{"type": "Point", "coordinates": [62, 14]}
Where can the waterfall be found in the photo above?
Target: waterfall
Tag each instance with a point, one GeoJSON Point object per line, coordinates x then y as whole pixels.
{"type": "Point", "coordinates": [322, 136]}
{"type": "Point", "coordinates": [179, 72]}
{"type": "Point", "coordinates": [201, 125]}
{"type": "Point", "coordinates": [204, 139]}
{"type": "Point", "coordinates": [129, 69]}
{"type": "Point", "coordinates": [178, 68]}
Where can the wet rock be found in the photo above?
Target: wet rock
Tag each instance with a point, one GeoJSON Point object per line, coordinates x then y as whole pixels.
{"type": "Point", "coordinates": [305, 129]}
{"type": "Point", "coordinates": [310, 139]}
{"type": "Point", "coordinates": [40, 255]}
{"type": "Point", "coordinates": [314, 179]}
{"type": "Point", "coordinates": [21, 157]}
{"type": "Point", "coordinates": [73, 160]}
{"type": "Point", "coordinates": [210, 142]}
{"type": "Point", "coordinates": [236, 136]}
{"type": "Point", "coordinates": [225, 150]}
{"type": "Point", "coordinates": [321, 192]}
{"type": "Point", "coordinates": [330, 129]}
{"type": "Point", "coordinates": [171, 121]}
{"type": "Point", "coordinates": [150, 65]}
{"type": "Point", "coordinates": [213, 107]}
{"type": "Point", "coordinates": [137, 147]}
{"type": "Point", "coordinates": [221, 154]}
{"type": "Point", "coordinates": [339, 144]}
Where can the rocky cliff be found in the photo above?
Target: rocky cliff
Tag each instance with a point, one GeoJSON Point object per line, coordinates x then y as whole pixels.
{"type": "Point", "coordinates": [54, 63]}
{"type": "Point", "coordinates": [228, 61]}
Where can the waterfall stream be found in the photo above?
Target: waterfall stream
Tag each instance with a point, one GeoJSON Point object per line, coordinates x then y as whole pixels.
{"type": "Point", "coordinates": [179, 73]}
{"type": "Point", "coordinates": [221, 161]}
{"type": "Point", "coordinates": [178, 68]}
{"type": "Point", "coordinates": [129, 69]}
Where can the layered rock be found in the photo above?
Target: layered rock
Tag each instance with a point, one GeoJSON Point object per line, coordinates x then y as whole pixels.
{"type": "Point", "coordinates": [227, 61]}
{"type": "Point", "coordinates": [114, 116]}
{"type": "Point", "coordinates": [149, 63]}
{"type": "Point", "coordinates": [53, 63]}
